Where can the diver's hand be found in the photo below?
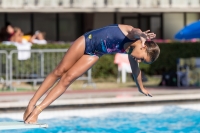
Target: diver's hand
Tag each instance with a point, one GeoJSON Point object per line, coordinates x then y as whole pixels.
{"type": "Point", "coordinates": [145, 92]}
{"type": "Point", "coordinates": [149, 35]}
{"type": "Point", "coordinates": [146, 35]}
{"type": "Point", "coordinates": [142, 35]}
{"type": "Point", "coordinates": [138, 34]}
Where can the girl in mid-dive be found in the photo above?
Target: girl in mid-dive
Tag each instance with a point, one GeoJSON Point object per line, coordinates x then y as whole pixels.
{"type": "Point", "coordinates": [85, 52]}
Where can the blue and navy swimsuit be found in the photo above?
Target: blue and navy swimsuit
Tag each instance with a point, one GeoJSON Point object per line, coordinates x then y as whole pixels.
{"type": "Point", "coordinates": [106, 40]}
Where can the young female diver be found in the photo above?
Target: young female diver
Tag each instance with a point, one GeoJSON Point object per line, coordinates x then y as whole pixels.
{"type": "Point", "coordinates": [85, 52]}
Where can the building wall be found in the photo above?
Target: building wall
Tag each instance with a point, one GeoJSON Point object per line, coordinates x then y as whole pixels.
{"type": "Point", "coordinates": [88, 22]}
{"type": "Point", "coordinates": [67, 27]}
{"type": "Point", "coordinates": [103, 19]}
{"type": "Point", "coordinates": [172, 23]}
{"type": "Point", "coordinates": [46, 22]}
{"type": "Point", "coordinates": [98, 20]}
{"type": "Point", "coordinates": [72, 25]}
{"type": "Point", "coordinates": [128, 21]}
{"type": "Point", "coordinates": [21, 20]}
{"type": "Point", "coordinates": [2, 23]}
{"type": "Point", "coordinates": [191, 17]}
{"type": "Point", "coordinates": [156, 26]}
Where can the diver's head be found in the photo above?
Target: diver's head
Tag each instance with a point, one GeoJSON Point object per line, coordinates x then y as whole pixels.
{"type": "Point", "coordinates": [147, 54]}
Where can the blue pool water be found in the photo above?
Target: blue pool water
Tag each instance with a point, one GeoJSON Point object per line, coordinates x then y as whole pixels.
{"type": "Point", "coordinates": [171, 119]}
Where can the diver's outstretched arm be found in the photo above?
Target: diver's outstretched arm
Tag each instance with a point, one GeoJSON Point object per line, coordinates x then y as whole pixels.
{"type": "Point", "coordinates": [137, 75]}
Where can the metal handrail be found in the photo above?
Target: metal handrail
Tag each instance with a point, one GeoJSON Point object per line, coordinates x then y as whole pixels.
{"type": "Point", "coordinates": [16, 70]}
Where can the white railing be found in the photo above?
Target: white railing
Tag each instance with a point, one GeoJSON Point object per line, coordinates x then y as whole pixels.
{"type": "Point", "coordinates": [164, 3]}
{"type": "Point", "coordinates": [179, 3]}
{"type": "Point", "coordinates": [65, 3]}
{"type": "Point", "coordinates": [4, 68]}
{"type": "Point", "coordinates": [194, 3]}
{"type": "Point", "coordinates": [99, 3]}
{"type": "Point", "coordinates": [91, 4]}
{"type": "Point", "coordinates": [12, 3]}
{"type": "Point", "coordinates": [83, 3]}
{"type": "Point", "coordinates": [29, 3]}
{"type": "Point", "coordinates": [116, 3]}
{"type": "Point", "coordinates": [48, 3]}
{"type": "Point", "coordinates": [148, 3]}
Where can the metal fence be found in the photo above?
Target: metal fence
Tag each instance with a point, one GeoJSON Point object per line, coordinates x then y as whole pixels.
{"type": "Point", "coordinates": [4, 68]}
{"type": "Point", "coordinates": [14, 68]}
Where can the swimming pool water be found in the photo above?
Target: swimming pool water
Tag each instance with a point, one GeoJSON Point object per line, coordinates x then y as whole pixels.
{"type": "Point", "coordinates": [171, 119]}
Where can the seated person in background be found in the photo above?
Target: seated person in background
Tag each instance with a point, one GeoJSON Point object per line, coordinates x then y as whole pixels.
{"type": "Point", "coordinates": [27, 36]}
{"type": "Point", "coordinates": [18, 35]}
{"type": "Point", "coordinates": [10, 31]}
{"type": "Point", "coordinates": [38, 38]}
{"type": "Point", "coordinates": [6, 33]}
{"type": "Point", "coordinates": [22, 44]}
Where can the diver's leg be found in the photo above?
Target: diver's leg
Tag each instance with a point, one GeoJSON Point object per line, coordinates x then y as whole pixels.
{"type": "Point", "coordinates": [79, 68]}
{"type": "Point", "coordinates": [74, 53]}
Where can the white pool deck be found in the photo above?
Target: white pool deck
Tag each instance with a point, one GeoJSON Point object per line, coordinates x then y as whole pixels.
{"type": "Point", "coordinates": [99, 97]}
{"type": "Point", "coordinates": [99, 111]}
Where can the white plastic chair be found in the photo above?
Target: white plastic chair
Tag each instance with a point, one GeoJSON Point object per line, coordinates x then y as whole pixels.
{"type": "Point", "coordinates": [123, 66]}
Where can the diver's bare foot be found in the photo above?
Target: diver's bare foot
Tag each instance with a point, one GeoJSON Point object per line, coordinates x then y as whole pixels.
{"type": "Point", "coordinates": [28, 111]}
{"type": "Point", "coordinates": [32, 118]}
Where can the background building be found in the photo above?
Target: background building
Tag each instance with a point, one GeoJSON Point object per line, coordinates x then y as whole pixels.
{"type": "Point", "coordinates": [65, 20]}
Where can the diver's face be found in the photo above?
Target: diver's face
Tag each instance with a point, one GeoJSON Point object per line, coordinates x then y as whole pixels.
{"type": "Point", "coordinates": [139, 53]}
{"type": "Point", "coordinates": [142, 58]}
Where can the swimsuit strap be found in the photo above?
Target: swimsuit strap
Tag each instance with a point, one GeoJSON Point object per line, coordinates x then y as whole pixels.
{"type": "Point", "coordinates": [126, 39]}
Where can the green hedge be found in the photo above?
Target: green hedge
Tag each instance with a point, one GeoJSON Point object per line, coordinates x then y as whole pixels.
{"type": "Point", "coordinates": [170, 52]}
{"type": "Point", "coordinates": [167, 60]}
{"type": "Point", "coordinates": [105, 67]}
